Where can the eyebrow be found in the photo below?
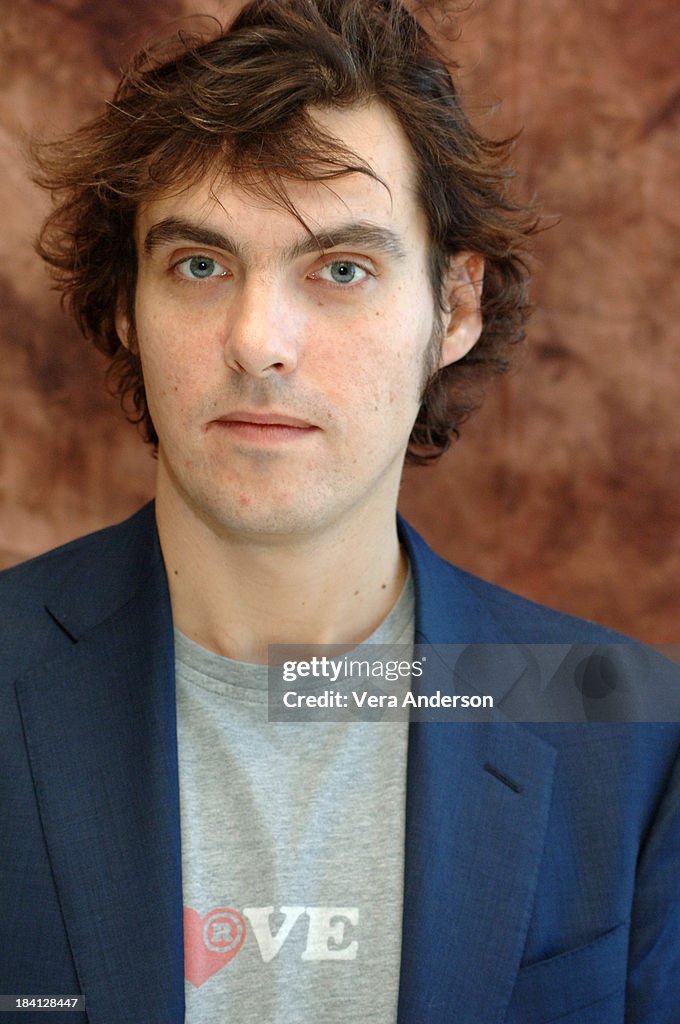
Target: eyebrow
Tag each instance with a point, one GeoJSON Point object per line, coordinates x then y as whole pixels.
{"type": "Point", "coordinates": [362, 234]}
{"type": "Point", "coordinates": [177, 229]}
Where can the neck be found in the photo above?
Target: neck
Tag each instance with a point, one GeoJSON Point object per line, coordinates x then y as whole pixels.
{"type": "Point", "coordinates": [236, 595]}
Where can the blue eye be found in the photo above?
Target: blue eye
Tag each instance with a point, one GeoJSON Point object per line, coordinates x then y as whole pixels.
{"type": "Point", "coordinates": [200, 268]}
{"type": "Point", "coordinates": [344, 271]}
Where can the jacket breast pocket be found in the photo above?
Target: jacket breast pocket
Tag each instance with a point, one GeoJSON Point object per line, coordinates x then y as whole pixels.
{"type": "Point", "coordinates": [582, 986]}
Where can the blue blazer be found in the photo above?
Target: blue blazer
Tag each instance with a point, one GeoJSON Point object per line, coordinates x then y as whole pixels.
{"type": "Point", "coordinates": [542, 872]}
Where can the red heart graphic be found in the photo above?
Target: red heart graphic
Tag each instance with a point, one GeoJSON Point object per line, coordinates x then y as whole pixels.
{"type": "Point", "coordinates": [210, 942]}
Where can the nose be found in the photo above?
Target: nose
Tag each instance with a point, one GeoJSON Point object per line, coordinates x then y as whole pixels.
{"type": "Point", "coordinates": [263, 330]}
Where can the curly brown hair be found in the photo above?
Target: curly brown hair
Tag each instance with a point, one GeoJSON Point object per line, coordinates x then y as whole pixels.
{"type": "Point", "coordinates": [240, 99]}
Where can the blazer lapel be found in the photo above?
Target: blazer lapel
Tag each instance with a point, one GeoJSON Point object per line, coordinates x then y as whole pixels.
{"type": "Point", "coordinates": [99, 721]}
{"type": "Point", "coordinates": [478, 800]}
{"type": "Point", "coordinates": [100, 728]}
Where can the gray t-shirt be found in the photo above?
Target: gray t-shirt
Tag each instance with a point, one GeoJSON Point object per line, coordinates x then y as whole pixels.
{"type": "Point", "coordinates": [292, 850]}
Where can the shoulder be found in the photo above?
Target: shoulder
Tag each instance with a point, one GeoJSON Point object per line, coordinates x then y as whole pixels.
{"type": "Point", "coordinates": [520, 614]}
{"type": "Point", "coordinates": [452, 600]}
{"type": "Point", "coordinates": [75, 580]}
{"type": "Point", "coordinates": [551, 671]}
{"type": "Point", "coordinates": [87, 554]}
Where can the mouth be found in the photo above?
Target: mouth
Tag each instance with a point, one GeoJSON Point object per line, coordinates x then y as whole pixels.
{"type": "Point", "coordinates": [249, 425]}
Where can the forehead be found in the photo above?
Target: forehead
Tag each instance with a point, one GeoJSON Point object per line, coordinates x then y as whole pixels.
{"type": "Point", "coordinates": [369, 131]}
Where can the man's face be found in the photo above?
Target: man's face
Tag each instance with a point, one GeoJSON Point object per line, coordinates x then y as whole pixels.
{"type": "Point", "coordinates": [283, 381]}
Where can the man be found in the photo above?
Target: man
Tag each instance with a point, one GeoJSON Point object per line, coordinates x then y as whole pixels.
{"type": "Point", "coordinates": [280, 236]}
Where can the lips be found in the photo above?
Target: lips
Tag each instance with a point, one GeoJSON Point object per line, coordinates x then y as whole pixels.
{"type": "Point", "coordinates": [266, 419]}
{"type": "Point", "coordinates": [263, 428]}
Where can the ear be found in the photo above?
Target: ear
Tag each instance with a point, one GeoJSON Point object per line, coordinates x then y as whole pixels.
{"type": "Point", "coordinates": [123, 326]}
{"type": "Point", "coordinates": [463, 316]}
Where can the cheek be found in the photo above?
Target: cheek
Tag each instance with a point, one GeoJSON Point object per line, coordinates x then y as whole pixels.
{"type": "Point", "coordinates": [176, 364]}
{"type": "Point", "coordinates": [375, 388]}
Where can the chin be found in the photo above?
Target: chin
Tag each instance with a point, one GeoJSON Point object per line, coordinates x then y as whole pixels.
{"type": "Point", "coordinates": [253, 518]}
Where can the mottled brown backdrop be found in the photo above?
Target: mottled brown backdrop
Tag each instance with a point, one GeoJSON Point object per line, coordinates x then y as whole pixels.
{"type": "Point", "coordinates": [565, 486]}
